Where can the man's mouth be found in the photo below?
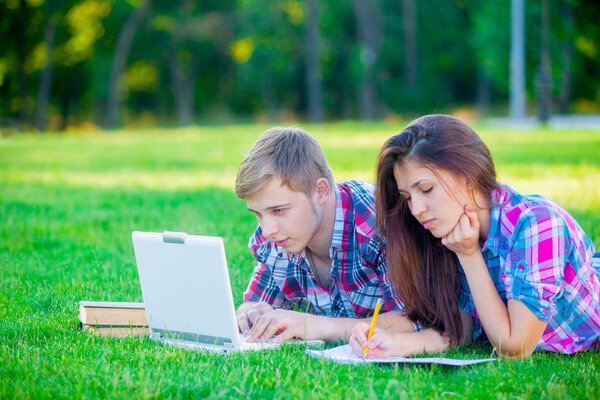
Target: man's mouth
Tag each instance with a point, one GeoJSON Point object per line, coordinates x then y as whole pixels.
{"type": "Point", "coordinates": [281, 243]}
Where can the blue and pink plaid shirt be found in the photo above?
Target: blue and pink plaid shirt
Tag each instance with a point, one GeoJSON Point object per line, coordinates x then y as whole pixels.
{"type": "Point", "coordinates": [538, 254]}
{"type": "Point", "coordinates": [358, 274]}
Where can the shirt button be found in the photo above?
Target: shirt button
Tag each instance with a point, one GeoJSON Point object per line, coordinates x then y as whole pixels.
{"type": "Point", "coordinates": [521, 266]}
{"type": "Point", "coordinates": [545, 310]}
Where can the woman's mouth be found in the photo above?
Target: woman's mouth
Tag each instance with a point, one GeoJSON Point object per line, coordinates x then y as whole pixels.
{"type": "Point", "coordinates": [427, 223]}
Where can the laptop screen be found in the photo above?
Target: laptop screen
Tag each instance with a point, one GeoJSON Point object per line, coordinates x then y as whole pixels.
{"type": "Point", "coordinates": [186, 288]}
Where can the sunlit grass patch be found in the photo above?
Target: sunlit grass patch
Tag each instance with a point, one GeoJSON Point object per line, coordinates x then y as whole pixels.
{"type": "Point", "coordinates": [68, 204]}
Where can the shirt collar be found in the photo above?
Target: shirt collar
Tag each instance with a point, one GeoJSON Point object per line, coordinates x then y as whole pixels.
{"type": "Point", "coordinates": [498, 198]}
{"type": "Point", "coordinates": [342, 224]}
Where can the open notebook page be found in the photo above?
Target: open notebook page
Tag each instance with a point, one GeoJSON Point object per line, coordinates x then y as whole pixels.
{"type": "Point", "coordinates": [343, 354]}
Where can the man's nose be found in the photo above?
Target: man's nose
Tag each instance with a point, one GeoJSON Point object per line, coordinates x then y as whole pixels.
{"type": "Point", "coordinates": [269, 227]}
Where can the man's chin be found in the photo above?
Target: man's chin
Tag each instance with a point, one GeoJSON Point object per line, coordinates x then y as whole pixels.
{"type": "Point", "coordinates": [292, 250]}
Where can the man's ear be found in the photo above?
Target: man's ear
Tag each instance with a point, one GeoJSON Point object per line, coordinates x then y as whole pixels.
{"type": "Point", "coordinates": [322, 190]}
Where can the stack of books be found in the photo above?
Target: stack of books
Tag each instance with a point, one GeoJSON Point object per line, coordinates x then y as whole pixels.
{"type": "Point", "coordinates": [110, 318]}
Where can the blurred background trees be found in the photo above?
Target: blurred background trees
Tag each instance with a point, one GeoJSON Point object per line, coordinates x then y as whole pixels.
{"type": "Point", "coordinates": [176, 62]}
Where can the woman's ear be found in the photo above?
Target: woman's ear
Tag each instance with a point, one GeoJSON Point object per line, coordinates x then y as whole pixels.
{"type": "Point", "coordinates": [322, 190]}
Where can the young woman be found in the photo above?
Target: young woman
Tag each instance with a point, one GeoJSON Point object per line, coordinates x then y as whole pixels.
{"type": "Point", "coordinates": [526, 278]}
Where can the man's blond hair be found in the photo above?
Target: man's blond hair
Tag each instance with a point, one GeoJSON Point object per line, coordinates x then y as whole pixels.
{"type": "Point", "coordinates": [290, 154]}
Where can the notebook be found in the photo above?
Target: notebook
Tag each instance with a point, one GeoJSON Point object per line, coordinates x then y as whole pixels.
{"type": "Point", "coordinates": [187, 293]}
{"type": "Point", "coordinates": [344, 355]}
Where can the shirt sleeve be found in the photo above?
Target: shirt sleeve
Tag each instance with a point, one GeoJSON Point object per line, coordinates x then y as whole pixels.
{"type": "Point", "coordinates": [536, 259]}
{"type": "Point", "coordinates": [262, 287]}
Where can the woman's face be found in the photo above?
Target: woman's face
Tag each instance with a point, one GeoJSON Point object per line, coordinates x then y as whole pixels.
{"type": "Point", "coordinates": [436, 198]}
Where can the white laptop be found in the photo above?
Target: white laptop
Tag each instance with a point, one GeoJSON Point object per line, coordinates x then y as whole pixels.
{"type": "Point", "coordinates": [187, 294]}
{"type": "Point", "coordinates": [186, 290]}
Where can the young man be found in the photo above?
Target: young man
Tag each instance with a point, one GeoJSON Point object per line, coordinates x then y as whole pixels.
{"type": "Point", "coordinates": [316, 246]}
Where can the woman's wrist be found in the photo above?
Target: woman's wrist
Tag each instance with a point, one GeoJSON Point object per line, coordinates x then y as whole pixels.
{"type": "Point", "coordinates": [472, 260]}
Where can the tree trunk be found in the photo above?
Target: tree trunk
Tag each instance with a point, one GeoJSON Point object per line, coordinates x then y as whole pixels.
{"type": "Point", "coordinates": [517, 60]}
{"type": "Point", "coordinates": [409, 31]}
{"type": "Point", "coordinates": [545, 85]}
{"type": "Point", "coordinates": [122, 48]}
{"type": "Point", "coordinates": [367, 20]}
{"type": "Point", "coordinates": [182, 84]}
{"type": "Point", "coordinates": [313, 65]}
{"type": "Point", "coordinates": [22, 20]}
{"type": "Point", "coordinates": [64, 111]}
{"type": "Point", "coordinates": [483, 90]}
{"type": "Point", "coordinates": [43, 96]}
{"type": "Point", "coordinates": [567, 61]}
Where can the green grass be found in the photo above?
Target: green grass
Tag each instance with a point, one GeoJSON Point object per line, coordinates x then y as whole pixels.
{"type": "Point", "coordinates": [68, 204]}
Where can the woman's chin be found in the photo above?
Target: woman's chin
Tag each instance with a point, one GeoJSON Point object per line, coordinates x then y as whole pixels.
{"type": "Point", "coordinates": [438, 233]}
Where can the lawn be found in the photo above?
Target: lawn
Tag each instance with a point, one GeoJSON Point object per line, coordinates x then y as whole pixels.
{"type": "Point", "coordinates": [68, 204]}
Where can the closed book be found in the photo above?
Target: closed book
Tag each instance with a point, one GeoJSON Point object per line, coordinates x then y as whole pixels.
{"type": "Point", "coordinates": [118, 331]}
{"type": "Point", "coordinates": [112, 313]}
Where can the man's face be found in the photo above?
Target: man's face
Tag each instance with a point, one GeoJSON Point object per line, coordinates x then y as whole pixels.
{"type": "Point", "coordinates": [288, 218]}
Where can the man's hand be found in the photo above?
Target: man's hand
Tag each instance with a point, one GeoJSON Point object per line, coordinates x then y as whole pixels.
{"type": "Point", "coordinates": [281, 325]}
{"type": "Point", "coordinates": [249, 312]}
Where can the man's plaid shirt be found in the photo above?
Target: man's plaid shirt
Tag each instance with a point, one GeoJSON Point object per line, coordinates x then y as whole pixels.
{"type": "Point", "coordinates": [359, 274]}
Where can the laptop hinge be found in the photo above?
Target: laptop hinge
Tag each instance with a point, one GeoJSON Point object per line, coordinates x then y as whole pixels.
{"type": "Point", "coordinates": [155, 334]}
{"type": "Point", "coordinates": [174, 237]}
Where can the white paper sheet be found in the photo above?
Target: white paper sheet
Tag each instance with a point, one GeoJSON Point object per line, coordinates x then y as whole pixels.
{"type": "Point", "coordinates": [343, 354]}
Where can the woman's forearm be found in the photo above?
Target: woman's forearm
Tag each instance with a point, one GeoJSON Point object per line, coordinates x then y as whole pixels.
{"type": "Point", "coordinates": [492, 312]}
{"type": "Point", "coordinates": [414, 343]}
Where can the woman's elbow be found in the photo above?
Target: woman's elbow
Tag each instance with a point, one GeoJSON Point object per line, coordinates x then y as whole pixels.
{"type": "Point", "coordinates": [515, 350]}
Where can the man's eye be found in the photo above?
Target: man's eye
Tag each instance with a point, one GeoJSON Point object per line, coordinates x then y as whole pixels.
{"type": "Point", "coordinates": [278, 210]}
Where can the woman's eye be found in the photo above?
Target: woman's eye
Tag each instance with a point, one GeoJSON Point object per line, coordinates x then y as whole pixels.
{"type": "Point", "coordinates": [428, 190]}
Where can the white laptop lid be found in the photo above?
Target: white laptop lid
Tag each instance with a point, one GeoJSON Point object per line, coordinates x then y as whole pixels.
{"type": "Point", "coordinates": [186, 289]}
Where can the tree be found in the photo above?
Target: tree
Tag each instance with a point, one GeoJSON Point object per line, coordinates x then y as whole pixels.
{"type": "Point", "coordinates": [313, 62]}
{"type": "Point", "coordinates": [122, 49]}
{"type": "Point", "coordinates": [544, 82]}
{"type": "Point", "coordinates": [409, 19]}
{"type": "Point", "coordinates": [517, 60]}
{"type": "Point", "coordinates": [566, 58]}
{"type": "Point", "coordinates": [368, 23]}
{"type": "Point", "coordinates": [22, 49]}
{"type": "Point", "coordinates": [41, 112]}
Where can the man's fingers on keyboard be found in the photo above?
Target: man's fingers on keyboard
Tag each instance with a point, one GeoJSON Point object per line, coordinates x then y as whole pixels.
{"type": "Point", "coordinates": [243, 324]}
{"type": "Point", "coordinates": [259, 327]}
{"type": "Point", "coordinates": [284, 336]}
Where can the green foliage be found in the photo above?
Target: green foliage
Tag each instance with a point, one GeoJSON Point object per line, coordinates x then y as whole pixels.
{"type": "Point", "coordinates": [69, 203]}
{"type": "Point", "coordinates": [246, 58]}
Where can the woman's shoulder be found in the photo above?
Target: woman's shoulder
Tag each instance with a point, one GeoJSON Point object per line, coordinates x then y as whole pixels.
{"type": "Point", "coordinates": [525, 216]}
{"type": "Point", "coordinates": [517, 211]}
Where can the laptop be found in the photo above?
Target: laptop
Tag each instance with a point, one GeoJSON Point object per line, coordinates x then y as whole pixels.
{"type": "Point", "coordinates": [187, 293]}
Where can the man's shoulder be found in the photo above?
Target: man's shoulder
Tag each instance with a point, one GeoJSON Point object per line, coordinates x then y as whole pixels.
{"type": "Point", "coordinates": [358, 190]}
{"type": "Point", "coordinates": [358, 198]}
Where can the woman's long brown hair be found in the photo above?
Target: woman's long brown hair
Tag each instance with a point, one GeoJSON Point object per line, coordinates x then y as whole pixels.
{"type": "Point", "coordinates": [423, 271]}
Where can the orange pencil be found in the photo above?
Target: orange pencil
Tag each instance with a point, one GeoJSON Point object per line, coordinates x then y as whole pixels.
{"type": "Point", "coordinates": [377, 307]}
